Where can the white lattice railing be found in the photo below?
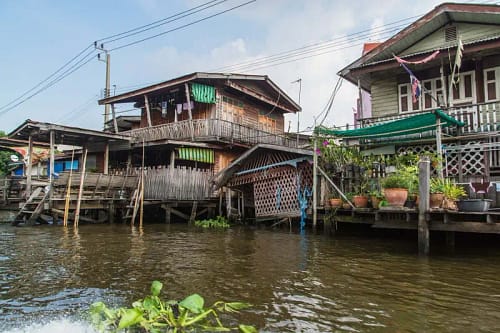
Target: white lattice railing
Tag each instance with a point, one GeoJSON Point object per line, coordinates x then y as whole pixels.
{"type": "Point", "coordinates": [477, 118]}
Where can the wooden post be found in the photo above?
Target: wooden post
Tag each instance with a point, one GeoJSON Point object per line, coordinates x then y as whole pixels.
{"type": "Point", "coordinates": [68, 192]}
{"type": "Point", "coordinates": [148, 113]}
{"type": "Point", "coordinates": [315, 183]}
{"type": "Point", "coordinates": [423, 206]}
{"type": "Point", "coordinates": [439, 148]}
{"type": "Point", "coordinates": [106, 158]}
{"type": "Point", "coordinates": [80, 191]}
{"type": "Point", "coordinates": [29, 167]}
{"type": "Point", "coordinates": [172, 163]}
{"type": "Point", "coordinates": [188, 98]}
{"type": "Point", "coordinates": [450, 240]}
{"type": "Point", "coordinates": [141, 213]}
{"type": "Point", "coordinates": [168, 214]}
{"type": "Point", "coordinates": [51, 166]}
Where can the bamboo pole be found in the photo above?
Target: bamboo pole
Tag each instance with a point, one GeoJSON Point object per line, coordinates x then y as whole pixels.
{"type": "Point", "coordinates": [68, 192]}
{"type": "Point", "coordinates": [80, 192]}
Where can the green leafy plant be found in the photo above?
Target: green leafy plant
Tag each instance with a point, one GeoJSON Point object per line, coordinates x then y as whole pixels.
{"type": "Point", "coordinates": [154, 315]}
{"type": "Point", "coordinates": [395, 180]}
{"type": "Point", "coordinates": [218, 222]}
{"type": "Point", "coordinates": [437, 185]}
{"type": "Point", "coordinates": [377, 194]}
{"type": "Point", "coordinates": [453, 191]}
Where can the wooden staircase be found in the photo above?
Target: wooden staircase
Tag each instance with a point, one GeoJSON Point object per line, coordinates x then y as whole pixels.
{"type": "Point", "coordinates": [33, 207]}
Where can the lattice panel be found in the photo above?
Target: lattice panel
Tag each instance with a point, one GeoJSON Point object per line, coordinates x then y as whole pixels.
{"type": "Point", "coordinates": [471, 159]}
{"type": "Point", "coordinates": [276, 193]}
{"type": "Point", "coordinates": [417, 149]}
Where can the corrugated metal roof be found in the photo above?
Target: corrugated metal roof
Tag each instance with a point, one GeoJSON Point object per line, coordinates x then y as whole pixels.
{"type": "Point", "coordinates": [437, 18]}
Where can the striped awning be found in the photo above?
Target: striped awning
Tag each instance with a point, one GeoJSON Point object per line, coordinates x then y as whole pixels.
{"type": "Point", "coordinates": [196, 154]}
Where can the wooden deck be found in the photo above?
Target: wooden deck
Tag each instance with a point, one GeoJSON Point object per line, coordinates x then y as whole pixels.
{"type": "Point", "coordinates": [439, 220]}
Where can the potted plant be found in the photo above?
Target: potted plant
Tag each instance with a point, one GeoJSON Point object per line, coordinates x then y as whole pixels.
{"type": "Point", "coordinates": [335, 201]}
{"type": "Point", "coordinates": [376, 197]}
{"type": "Point", "coordinates": [345, 204]}
{"type": "Point", "coordinates": [436, 189]}
{"type": "Point", "coordinates": [360, 199]}
{"type": "Point", "coordinates": [395, 189]}
{"type": "Point", "coordinates": [452, 193]}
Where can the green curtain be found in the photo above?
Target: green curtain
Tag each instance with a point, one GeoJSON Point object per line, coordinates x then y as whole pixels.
{"type": "Point", "coordinates": [196, 154]}
{"type": "Point", "coordinates": [203, 93]}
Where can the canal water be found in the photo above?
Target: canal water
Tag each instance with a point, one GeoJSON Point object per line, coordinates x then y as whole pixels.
{"type": "Point", "coordinates": [49, 276]}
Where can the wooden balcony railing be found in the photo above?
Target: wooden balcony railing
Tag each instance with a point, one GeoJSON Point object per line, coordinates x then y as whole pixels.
{"type": "Point", "coordinates": [478, 118]}
{"type": "Point", "coordinates": [210, 130]}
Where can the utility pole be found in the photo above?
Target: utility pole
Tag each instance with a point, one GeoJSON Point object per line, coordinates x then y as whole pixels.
{"type": "Point", "coordinates": [298, 113]}
{"type": "Point", "coordinates": [107, 89]}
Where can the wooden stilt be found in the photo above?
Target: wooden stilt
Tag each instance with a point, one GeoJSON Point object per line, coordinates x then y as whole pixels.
{"type": "Point", "coordinates": [68, 191]}
{"type": "Point", "coordinates": [141, 215]}
{"type": "Point", "coordinates": [80, 191]}
{"type": "Point", "coordinates": [51, 166]}
{"type": "Point", "coordinates": [29, 169]}
{"type": "Point", "coordinates": [423, 207]}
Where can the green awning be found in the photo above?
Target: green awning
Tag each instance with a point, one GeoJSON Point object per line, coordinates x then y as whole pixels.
{"type": "Point", "coordinates": [203, 93]}
{"type": "Point", "coordinates": [411, 125]}
{"type": "Point", "coordinates": [196, 154]}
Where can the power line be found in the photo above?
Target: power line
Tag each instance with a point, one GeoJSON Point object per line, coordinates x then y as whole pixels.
{"type": "Point", "coordinates": [317, 46]}
{"type": "Point", "coordinates": [183, 26]}
{"type": "Point", "coordinates": [161, 22]}
{"type": "Point", "coordinates": [47, 78]}
{"type": "Point", "coordinates": [83, 61]}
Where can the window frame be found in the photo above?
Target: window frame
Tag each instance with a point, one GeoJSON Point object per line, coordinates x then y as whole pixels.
{"type": "Point", "coordinates": [461, 87]}
{"type": "Point", "coordinates": [496, 81]}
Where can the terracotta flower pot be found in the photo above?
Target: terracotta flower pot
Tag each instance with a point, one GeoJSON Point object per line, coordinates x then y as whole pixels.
{"type": "Point", "coordinates": [396, 196]}
{"type": "Point", "coordinates": [360, 201]}
{"type": "Point", "coordinates": [335, 202]}
{"type": "Point", "coordinates": [375, 201]}
{"type": "Point", "coordinates": [436, 200]}
{"type": "Point", "coordinates": [345, 205]}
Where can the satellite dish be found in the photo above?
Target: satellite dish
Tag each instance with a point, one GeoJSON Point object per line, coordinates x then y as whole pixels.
{"type": "Point", "coordinates": [14, 158]}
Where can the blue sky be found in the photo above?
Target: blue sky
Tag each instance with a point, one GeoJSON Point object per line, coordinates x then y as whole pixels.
{"type": "Point", "coordinates": [38, 36]}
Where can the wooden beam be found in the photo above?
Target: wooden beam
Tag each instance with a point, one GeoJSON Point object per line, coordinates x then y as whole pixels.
{"type": "Point", "coordinates": [51, 165]}
{"type": "Point", "coordinates": [148, 113]}
{"type": "Point", "coordinates": [260, 97]}
{"type": "Point", "coordinates": [30, 166]}
{"type": "Point", "coordinates": [80, 192]}
{"type": "Point", "coordinates": [188, 99]}
{"type": "Point", "coordinates": [423, 226]}
{"type": "Point", "coordinates": [106, 158]}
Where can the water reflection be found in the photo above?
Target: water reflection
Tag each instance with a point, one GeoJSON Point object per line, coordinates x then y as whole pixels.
{"type": "Point", "coordinates": [297, 282]}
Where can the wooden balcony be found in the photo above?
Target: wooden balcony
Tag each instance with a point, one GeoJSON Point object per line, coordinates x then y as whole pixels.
{"type": "Point", "coordinates": [478, 118]}
{"type": "Point", "coordinates": [210, 130]}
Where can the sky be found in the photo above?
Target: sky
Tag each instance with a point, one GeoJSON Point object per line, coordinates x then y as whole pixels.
{"type": "Point", "coordinates": [40, 36]}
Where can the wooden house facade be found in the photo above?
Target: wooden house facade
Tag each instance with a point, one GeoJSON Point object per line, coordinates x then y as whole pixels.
{"type": "Point", "coordinates": [454, 53]}
{"type": "Point", "coordinates": [189, 129]}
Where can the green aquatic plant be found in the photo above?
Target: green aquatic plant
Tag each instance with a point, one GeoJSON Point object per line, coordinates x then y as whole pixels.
{"type": "Point", "coordinates": [154, 315]}
{"type": "Point", "coordinates": [218, 222]}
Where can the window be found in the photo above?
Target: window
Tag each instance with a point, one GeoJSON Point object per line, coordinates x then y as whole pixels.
{"type": "Point", "coordinates": [267, 124]}
{"type": "Point", "coordinates": [231, 110]}
{"type": "Point", "coordinates": [491, 87]}
{"type": "Point", "coordinates": [432, 93]}
{"type": "Point", "coordinates": [406, 99]}
{"type": "Point", "coordinates": [464, 90]}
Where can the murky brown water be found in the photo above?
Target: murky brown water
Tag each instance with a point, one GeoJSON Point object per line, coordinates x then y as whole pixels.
{"type": "Point", "coordinates": [297, 283]}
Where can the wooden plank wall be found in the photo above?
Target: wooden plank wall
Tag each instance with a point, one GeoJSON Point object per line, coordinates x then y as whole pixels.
{"type": "Point", "coordinates": [163, 183]}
